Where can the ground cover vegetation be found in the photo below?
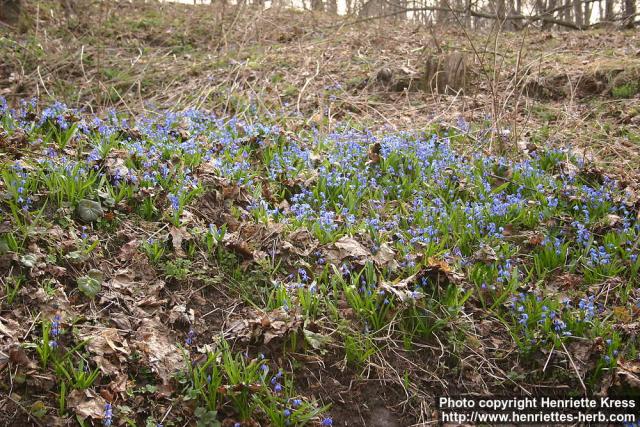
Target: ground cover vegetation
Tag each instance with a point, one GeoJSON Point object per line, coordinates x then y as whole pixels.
{"type": "Point", "coordinates": [352, 244]}
{"type": "Point", "coordinates": [242, 244]}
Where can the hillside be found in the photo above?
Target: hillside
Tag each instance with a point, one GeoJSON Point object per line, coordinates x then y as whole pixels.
{"type": "Point", "coordinates": [271, 217]}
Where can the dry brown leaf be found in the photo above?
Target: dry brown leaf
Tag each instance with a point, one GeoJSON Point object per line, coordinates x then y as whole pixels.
{"type": "Point", "coordinates": [178, 235]}
{"type": "Point", "coordinates": [18, 356]}
{"type": "Point", "coordinates": [9, 328]}
{"type": "Point", "coordinates": [385, 257]}
{"type": "Point", "coordinates": [107, 341]}
{"type": "Point", "coordinates": [234, 242]}
{"type": "Point", "coordinates": [86, 404]}
{"type": "Point", "coordinates": [274, 324]}
{"type": "Point", "coordinates": [129, 250]}
{"type": "Point", "coordinates": [164, 357]}
{"type": "Point", "coordinates": [627, 376]}
{"type": "Point", "coordinates": [105, 365]}
{"type": "Point", "coordinates": [351, 248]}
{"type": "Point", "coordinates": [180, 313]}
{"type": "Point", "coordinates": [115, 165]}
{"type": "Point", "coordinates": [347, 247]}
{"type": "Point", "coordinates": [585, 353]}
{"type": "Point", "coordinates": [119, 384]}
{"type": "Point", "coordinates": [374, 154]}
{"type": "Point", "coordinates": [486, 254]}
{"type": "Point", "coordinates": [439, 271]}
{"type": "Point", "coordinates": [300, 242]}
{"type": "Point", "coordinates": [121, 321]}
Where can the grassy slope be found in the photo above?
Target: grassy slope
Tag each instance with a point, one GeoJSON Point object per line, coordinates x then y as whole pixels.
{"type": "Point", "coordinates": [131, 56]}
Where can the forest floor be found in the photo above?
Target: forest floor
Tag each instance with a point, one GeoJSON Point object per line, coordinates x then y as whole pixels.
{"type": "Point", "coordinates": [258, 218]}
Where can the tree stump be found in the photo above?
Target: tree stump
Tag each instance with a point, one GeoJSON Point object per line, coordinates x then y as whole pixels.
{"type": "Point", "coordinates": [444, 74]}
{"type": "Point", "coordinates": [10, 11]}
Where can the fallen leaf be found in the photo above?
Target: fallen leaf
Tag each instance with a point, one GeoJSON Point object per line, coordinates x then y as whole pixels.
{"type": "Point", "coordinates": [86, 404]}
{"type": "Point", "coordinates": [440, 272]}
{"type": "Point", "coordinates": [9, 328]}
{"type": "Point", "coordinates": [347, 247]}
{"type": "Point", "coordinates": [110, 350]}
{"type": "Point", "coordinates": [486, 254]}
{"type": "Point", "coordinates": [300, 242]}
{"type": "Point", "coordinates": [385, 256]}
{"type": "Point", "coordinates": [107, 341]}
{"type": "Point", "coordinates": [374, 154]}
{"type": "Point", "coordinates": [164, 357]}
{"type": "Point", "coordinates": [129, 250]}
{"type": "Point", "coordinates": [178, 235]}
{"type": "Point", "coordinates": [18, 356]}
{"type": "Point", "coordinates": [268, 326]}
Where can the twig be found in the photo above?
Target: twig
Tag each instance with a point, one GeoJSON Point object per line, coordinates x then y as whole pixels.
{"type": "Point", "coordinates": [306, 83]}
{"type": "Point", "coordinates": [27, 412]}
{"type": "Point", "coordinates": [544, 368]}
{"type": "Point", "coordinates": [575, 368]}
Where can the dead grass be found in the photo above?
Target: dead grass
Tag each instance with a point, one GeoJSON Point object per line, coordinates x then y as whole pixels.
{"type": "Point", "coordinates": [317, 70]}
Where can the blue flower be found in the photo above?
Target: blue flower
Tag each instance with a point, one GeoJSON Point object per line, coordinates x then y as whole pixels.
{"type": "Point", "coordinates": [524, 317]}
{"type": "Point", "coordinates": [108, 415]}
{"type": "Point", "coordinates": [55, 330]}
{"type": "Point", "coordinates": [175, 202]}
{"type": "Point", "coordinates": [190, 337]}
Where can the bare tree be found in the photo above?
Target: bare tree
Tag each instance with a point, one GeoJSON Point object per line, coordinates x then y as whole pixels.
{"type": "Point", "coordinates": [586, 17]}
{"type": "Point", "coordinates": [514, 14]}
{"type": "Point", "coordinates": [332, 6]}
{"type": "Point", "coordinates": [629, 13]}
{"type": "Point", "coordinates": [500, 9]}
{"type": "Point", "coordinates": [577, 12]}
{"type": "Point", "coordinates": [608, 10]}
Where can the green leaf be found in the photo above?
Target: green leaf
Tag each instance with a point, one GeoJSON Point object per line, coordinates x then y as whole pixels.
{"type": "Point", "coordinates": [4, 246]}
{"type": "Point", "coordinates": [76, 256]}
{"type": "Point", "coordinates": [96, 275]}
{"type": "Point", "coordinates": [206, 418]}
{"type": "Point", "coordinates": [28, 260]}
{"type": "Point", "coordinates": [108, 200]}
{"type": "Point", "coordinates": [316, 340]}
{"type": "Point", "coordinates": [90, 286]}
{"type": "Point", "coordinates": [38, 409]}
{"type": "Point", "coordinates": [89, 210]}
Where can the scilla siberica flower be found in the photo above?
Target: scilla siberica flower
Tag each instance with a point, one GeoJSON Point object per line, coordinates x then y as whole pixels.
{"type": "Point", "coordinates": [55, 331]}
{"type": "Point", "coordinates": [108, 415]}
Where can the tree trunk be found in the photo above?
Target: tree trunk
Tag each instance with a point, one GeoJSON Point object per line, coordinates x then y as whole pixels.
{"type": "Point", "coordinates": [10, 11]}
{"type": "Point", "coordinates": [608, 10]}
{"type": "Point", "coordinates": [551, 4]}
{"type": "Point", "coordinates": [518, 7]}
{"type": "Point", "coordinates": [441, 15]}
{"type": "Point", "coordinates": [500, 12]}
{"type": "Point", "coordinates": [317, 5]}
{"type": "Point", "coordinates": [629, 13]}
{"type": "Point", "coordinates": [600, 10]}
{"type": "Point", "coordinates": [586, 17]}
{"type": "Point", "coordinates": [467, 14]}
{"type": "Point", "coordinates": [577, 12]}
